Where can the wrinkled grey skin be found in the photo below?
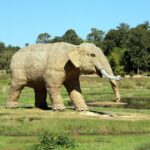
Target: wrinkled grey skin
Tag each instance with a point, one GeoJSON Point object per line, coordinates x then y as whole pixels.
{"type": "Point", "coordinates": [46, 67]}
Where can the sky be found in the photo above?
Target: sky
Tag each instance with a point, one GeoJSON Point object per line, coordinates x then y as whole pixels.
{"type": "Point", "coordinates": [21, 21]}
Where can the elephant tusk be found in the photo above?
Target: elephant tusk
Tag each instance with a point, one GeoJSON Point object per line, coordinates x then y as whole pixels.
{"type": "Point", "coordinates": [111, 77]}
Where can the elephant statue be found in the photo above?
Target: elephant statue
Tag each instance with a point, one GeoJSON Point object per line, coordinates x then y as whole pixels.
{"type": "Point", "coordinates": [46, 67]}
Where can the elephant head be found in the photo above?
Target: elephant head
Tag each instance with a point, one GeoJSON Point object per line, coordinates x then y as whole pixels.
{"type": "Point", "coordinates": [90, 59]}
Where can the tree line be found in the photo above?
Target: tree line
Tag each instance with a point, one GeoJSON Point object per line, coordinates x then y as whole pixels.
{"type": "Point", "coordinates": [127, 48]}
{"type": "Point", "coordinates": [6, 53]}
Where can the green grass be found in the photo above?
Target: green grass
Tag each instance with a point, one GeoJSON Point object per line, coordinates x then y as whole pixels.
{"type": "Point", "coordinates": [25, 125]}
{"type": "Point", "coordinates": [126, 142]}
{"type": "Point", "coordinates": [132, 90]}
{"type": "Point", "coordinates": [17, 122]}
{"type": "Point", "coordinates": [124, 129]}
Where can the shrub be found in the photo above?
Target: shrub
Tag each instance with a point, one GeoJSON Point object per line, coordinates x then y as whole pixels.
{"type": "Point", "coordinates": [65, 141]}
{"type": "Point", "coordinates": [148, 74]}
{"type": "Point", "coordinates": [51, 142]}
{"type": "Point", "coordinates": [47, 142]}
{"type": "Point", "coordinates": [132, 74]}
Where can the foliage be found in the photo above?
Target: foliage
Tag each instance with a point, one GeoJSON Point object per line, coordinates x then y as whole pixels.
{"type": "Point", "coordinates": [6, 53]}
{"type": "Point", "coordinates": [65, 141]}
{"type": "Point", "coordinates": [70, 36]}
{"type": "Point", "coordinates": [5, 58]}
{"type": "Point", "coordinates": [128, 49]}
{"type": "Point", "coordinates": [136, 41]}
{"type": "Point", "coordinates": [96, 36]}
{"type": "Point", "coordinates": [116, 60]}
{"type": "Point", "coordinates": [43, 38]}
{"type": "Point", "coordinates": [56, 39]}
{"type": "Point", "coordinates": [138, 57]}
{"type": "Point", "coordinates": [50, 142]}
{"type": "Point", "coordinates": [2, 47]}
{"type": "Point", "coordinates": [116, 38]}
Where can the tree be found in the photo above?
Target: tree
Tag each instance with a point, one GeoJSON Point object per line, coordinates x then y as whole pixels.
{"type": "Point", "coordinates": [116, 38]}
{"type": "Point", "coordinates": [6, 53]}
{"type": "Point", "coordinates": [56, 39]}
{"type": "Point", "coordinates": [2, 47]}
{"type": "Point", "coordinates": [12, 48]}
{"type": "Point", "coordinates": [122, 39]}
{"type": "Point", "coordinates": [110, 41]}
{"type": "Point", "coordinates": [43, 38]}
{"type": "Point", "coordinates": [26, 44]}
{"type": "Point", "coordinates": [138, 56]}
{"type": "Point", "coordinates": [5, 58]}
{"type": "Point", "coordinates": [71, 36]}
{"type": "Point", "coordinates": [96, 36]}
{"type": "Point", "coordinates": [144, 25]}
{"type": "Point", "coordinates": [116, 60]}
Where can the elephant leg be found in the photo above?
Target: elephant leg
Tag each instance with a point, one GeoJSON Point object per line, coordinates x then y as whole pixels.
{"type": "Point", "coordinates": [74, 90]}
{"type": "Point", "coordinates": [116, 90]}
{"type": "Point", "coordinates": [14, 93]}
{"type": "Point", "coordinates": [54, 93]}
{"type": "Point", "coordinates": [40, 97]}
{"type": "Point", "coordinates": [54, 80]}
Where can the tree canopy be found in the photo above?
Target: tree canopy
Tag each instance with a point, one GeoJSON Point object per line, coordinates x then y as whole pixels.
{"type": "Point", "coordinates": [96, 36]}
{"type": "Point", "coordinates": [6, 53]}
{"type": "Point", "coordinates": [71, 36]}
{"type": "Point", "coordinates": [43, 38]}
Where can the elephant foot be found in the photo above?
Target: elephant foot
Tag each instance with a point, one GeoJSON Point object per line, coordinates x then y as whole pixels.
{"type": "Point", "coordinates": [12, 105]}
{"type": "Point", "coordinates": [116, 99]}
{"type": "Point", "coordinates": [85, 108]}
{"type": "Point", "coordinates": [59, 107]}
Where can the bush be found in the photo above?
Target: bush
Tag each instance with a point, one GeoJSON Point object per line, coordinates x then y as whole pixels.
{"type": "Point", "coordinates": [51, 142]}
{"type": "Point", "coordinates": [65, 141]}
{"type": "Point", "coordinates": [148, 74]}
{"type": "Point", "coordinates": [132, 74]}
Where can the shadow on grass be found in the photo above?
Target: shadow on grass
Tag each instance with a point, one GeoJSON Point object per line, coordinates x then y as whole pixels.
{"type": "Point", "coordinates": [32, 107]}
{"type": "Point", "coordinates": [101, 113]}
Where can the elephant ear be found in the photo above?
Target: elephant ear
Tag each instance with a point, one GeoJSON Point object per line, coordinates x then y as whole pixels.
{"type": "Point", "coordinates": [74, 58]}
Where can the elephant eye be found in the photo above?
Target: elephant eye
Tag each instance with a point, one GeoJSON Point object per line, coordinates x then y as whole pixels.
{"type": "Point", "coordinates": [92, 55]}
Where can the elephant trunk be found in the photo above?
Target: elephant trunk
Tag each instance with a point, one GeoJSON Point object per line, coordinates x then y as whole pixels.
{"type": "Point", "coordinates": [111, 77]}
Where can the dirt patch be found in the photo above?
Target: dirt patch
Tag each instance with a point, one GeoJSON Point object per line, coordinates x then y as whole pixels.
{"type": "Point", "coordinates": [91, 114]}
{"type": "Point", "coordinates": [106, 104]}
{"type": "Point", "coordinates": [97, 114]}
{"type": "Point", "coordinates": [123, 116]}
{"type": "Point", "coordinates": [38, 114]}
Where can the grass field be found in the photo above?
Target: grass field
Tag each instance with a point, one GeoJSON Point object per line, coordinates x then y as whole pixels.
{"type": "Point", "coordinates": [103, 128]}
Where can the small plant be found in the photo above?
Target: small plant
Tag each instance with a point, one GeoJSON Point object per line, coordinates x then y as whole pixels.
{"type": "Point", "coordinates": [51, 142]}
{"type": "Point", "coordinates": [65, 141]}
{"type": "Point", "coordinates": [47, 142]}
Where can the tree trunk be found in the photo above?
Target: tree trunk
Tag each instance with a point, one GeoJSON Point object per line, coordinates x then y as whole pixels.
{"type": "Point", "coordinates": [138, 70]}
